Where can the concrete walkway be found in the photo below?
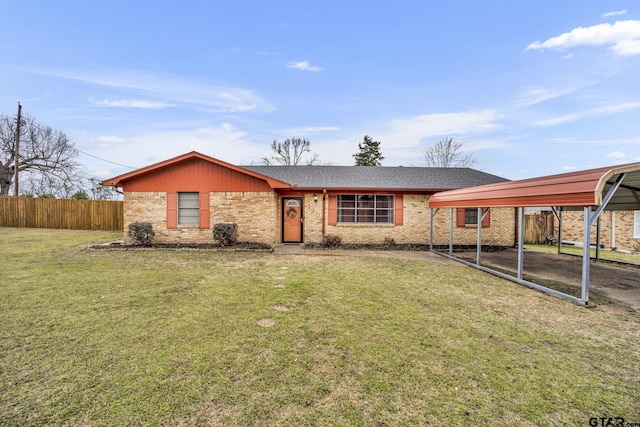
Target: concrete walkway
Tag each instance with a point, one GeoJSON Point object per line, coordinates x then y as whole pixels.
{"type": "Point", "coordinates": [296, 249]}
{"type": "Point", "coordinates": [289, 249]}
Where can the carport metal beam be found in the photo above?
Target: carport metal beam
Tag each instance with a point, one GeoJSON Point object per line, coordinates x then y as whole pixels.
{"type": "Point", "coordinates": [590, 217]}
{"type": "Point", "coordinates": [575, 190]}
{"type": "Point", "coordinates": [518, 279]}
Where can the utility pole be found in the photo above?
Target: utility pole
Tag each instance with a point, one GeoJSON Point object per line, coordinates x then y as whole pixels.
{"type": "Point", "coordinates": [16, 161]}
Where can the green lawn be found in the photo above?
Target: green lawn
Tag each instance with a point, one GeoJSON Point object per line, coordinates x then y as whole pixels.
{"type": "Point", "coordinates": [161, 337]}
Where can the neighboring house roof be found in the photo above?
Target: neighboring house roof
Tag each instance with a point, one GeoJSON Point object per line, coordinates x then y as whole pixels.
{"type": "Point", "coordinates": [573, 189]}
{"type": "Point", "coordinates": [376, 177]}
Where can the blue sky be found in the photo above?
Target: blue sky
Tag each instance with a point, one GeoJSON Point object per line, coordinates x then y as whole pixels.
{"type": "Point", "coordinates": [532, 88]}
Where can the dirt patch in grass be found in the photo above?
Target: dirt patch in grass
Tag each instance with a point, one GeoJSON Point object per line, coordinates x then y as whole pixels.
{"type": "Point", "coordinates": [267, 323]}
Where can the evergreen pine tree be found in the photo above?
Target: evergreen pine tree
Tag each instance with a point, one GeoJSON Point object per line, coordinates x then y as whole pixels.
{"type": "Point", "coordinates": [369, 153]}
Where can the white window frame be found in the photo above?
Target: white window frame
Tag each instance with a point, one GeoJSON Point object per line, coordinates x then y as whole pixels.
{"type": "Point", "coordinates": [636, 224]}
{"type": "Point", "coordinates": [188, 209]}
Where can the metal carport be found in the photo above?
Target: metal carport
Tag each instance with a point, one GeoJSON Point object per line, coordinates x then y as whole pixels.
{"type": "Point", "coordinates": [593, 191]}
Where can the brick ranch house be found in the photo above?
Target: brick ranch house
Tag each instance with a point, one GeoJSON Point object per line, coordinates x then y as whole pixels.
{"type": "Point", "coordinates": [185, 196]}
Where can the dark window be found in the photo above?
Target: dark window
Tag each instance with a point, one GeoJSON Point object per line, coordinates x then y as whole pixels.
{"type": "Point", "coordinates": [471, 216]}
{"type": "Point", "coordinates": [188, 209]}
{"type": "Point", "coordinates": [365, 208]}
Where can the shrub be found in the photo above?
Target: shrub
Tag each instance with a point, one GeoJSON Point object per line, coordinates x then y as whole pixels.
{"type": "Point", "coordinates": [331, 241]}
{"type": "Point", "coordinates": [141, 233]}
{"type": "Point", "coordinates": [389, 241]}
{"type": "Point", "coordinates": [226, 233]}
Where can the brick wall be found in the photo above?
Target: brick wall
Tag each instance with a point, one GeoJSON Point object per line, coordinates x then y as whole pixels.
{"type": "Point", "coordinates": [259, 217]}
{"type": "Point", "coordinates": [255, 214]}
{"type": "Point", "coordinates": [148, 207]}
{"type": "Point", "coordinates": [613, 224]}
{"type": "Point", "coordinates": [415, 228]}
{"type": "Point", "coordinates": [501, 230]}
{"type": "Point", "coordinates": [312, 212]}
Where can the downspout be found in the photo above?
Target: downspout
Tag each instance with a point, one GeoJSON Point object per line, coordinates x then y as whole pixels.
{"type": "Point", "coordinates": [324, 198]}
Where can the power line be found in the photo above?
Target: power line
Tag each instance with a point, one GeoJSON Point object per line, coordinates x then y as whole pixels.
{"type": "Point", "coordinates": [104, 160]}
{"type": "Point", "coordinates": [17, 148]}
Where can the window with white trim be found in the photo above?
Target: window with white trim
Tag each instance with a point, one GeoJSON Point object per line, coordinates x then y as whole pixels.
{"type": "Point", "coordinates": [365, 208]}
{"type": "Point", "coordinates": [636, 224]}
{"type": "Point", "coordinates": [188, 209]}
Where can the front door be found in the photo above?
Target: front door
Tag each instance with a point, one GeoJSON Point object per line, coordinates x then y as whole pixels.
{"type": "Point", "coordinates": [292, 220]}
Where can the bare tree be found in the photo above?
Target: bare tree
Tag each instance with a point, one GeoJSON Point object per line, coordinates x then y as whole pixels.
{"type": "Point", "coordinates": [46, 156]}
{"type": "Point", "coordinates": [290, 152]}
{"type": "Point", "coordinates": [447, 153]}
{"type": "Point", "coordinates": [100, 192]}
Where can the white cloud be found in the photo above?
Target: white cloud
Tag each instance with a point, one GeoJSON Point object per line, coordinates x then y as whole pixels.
{"type": "Point", "coordinates": [617, 155]}
{"type": "Point", "coordinates": [601, 142]}
{"type": "Point", "coordinates": [109, 140]}
{"type": "Point", "coordinates": [606, 110]}
{"type": "Point", "coordinates": [414, 129]}
{"type": "Point", "coordinates": [101, 173]}
{"type": "Point", "coordinates": [614, 13]}
{"type": "Point", "coordinates": [133, 103]}
{"type": "Point", "coordinates": [404, 140]}
{"type": "Point", "coordinates": [307, 130]}
{"type": "Point", "coordinates": [568, 168]}
{"type": "Point", "coordinates": [623, 36]}
{"type": "Point", "coordinates": [532, 96]}
{"type": "Point", "coordinates": [304, 66]}
{"type": "Point", "coordinates": [224, 142]}
{"type": "Point", "coordinates": [171, 90]}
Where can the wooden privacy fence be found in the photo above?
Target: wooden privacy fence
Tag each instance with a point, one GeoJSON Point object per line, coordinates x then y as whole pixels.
{"type": "Point", "coordinates": [537, 227]}
{"type": "Point", "coordinates": [61, 213]}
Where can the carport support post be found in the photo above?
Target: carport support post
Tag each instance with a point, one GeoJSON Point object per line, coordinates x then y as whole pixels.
{"type": "Point", "coordinates": [586, 254]}
{"type": "Point", "coordinates": [560, 230]}
{"type": "Point", "coordinates": [450, 231]}
{"type": "Point", "coordinates": [598, 237]}
{"type": "Point", "coordinates": [520, 241]}
{"type": "Point", "coordinates": [479, 244]}
{"type": "Point", "coordinates": [589, 219]}
{"type": "Point", "coordinates": [431, 230]}
{"type": "Point", "coordinates": [433, 214]}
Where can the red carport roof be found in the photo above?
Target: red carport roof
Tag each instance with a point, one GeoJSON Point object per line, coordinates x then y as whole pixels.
{"type": "Point", "coordinates": [574, 189]}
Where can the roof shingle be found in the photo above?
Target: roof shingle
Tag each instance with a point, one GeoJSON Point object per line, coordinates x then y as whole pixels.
{"type": "Point", "coordinates": [377, 177]}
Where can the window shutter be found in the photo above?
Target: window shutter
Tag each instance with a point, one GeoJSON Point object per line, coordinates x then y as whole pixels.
{"type": "Point", "coordinates": [333, 210]}
{"type": "Point", "coordinates": [172, 210]}
{"type": "Point", "coordinates": [398, 218]}
{"type": "Point", "coordinates": [460, 217]}
{"type": "Point", "coordinates": [204, 210]}
{"type": "Point", "coordinates": [486, 222]}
